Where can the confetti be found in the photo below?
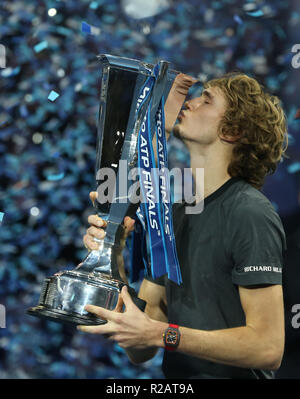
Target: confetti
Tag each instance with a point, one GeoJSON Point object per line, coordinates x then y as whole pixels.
{"type": "Point", "coordinates": [238, 19]}
{"type": "Point", "coordinates": [8, 72]}
{"type": "Point", "coordinates": [53, 95]}
{"type": "Point", "coordinates": [258, 13]}
{"type": "Point", "coordinates": [40, 46]}
{"type": "Point", "coordinates": [92, 30]}
{"type": "Point", "coordinates": [47, 148]}
{"type": "Point", "coordinates": [94, 5]}
{"type": "Point", "coordinates": [55, 177]}
{"type": "Point", "coordinates": [293, 168]}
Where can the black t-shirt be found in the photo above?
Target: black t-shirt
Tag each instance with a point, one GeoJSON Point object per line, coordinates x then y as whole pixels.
{"type": "Point", "coordinates": [237, 239]}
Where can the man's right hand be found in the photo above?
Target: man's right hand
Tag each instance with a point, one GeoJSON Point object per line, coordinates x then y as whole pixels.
{"type": "Point", "coordinates": [97, 229]}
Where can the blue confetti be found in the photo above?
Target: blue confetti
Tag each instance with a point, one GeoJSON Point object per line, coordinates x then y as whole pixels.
{"type": "Point", "coordinates": [92, 30]}
{"type": "Point", "coordinates": [258, 13]}
{"type": "Point", "coordinates": [55, 177]}
{"type": "Point", "coordinates": [94, 5]}
{"type": "Point", "coordinates": [53, 95]}
{"type": "Point", "coordinates": [293, 168]}
{"type": "Point", "coordinates": [85, 27]}
{"type": "Point", "coordinates": [238, 19]}
{"type": "Point", "coordinates": [40, 46]}
{"type": "Point", "coordinates": [57, 174]}
{"type": "Point", "coordinates": [8, 72]}
{"type": "Point", "coordinates": [63, 31]}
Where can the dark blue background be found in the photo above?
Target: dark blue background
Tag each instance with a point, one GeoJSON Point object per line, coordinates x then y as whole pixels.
{"type": "Point", "coordinates": [47, 149]}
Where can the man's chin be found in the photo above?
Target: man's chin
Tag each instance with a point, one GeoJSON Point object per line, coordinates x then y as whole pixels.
{"type": "Point", "coordinates": [178, 132]}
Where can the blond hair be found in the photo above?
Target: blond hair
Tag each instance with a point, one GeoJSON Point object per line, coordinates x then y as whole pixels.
{"type": "Point", "coordinates": [257, 121]}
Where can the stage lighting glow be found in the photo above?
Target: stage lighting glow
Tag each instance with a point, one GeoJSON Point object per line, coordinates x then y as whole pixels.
{"type": "Point", "coordinates": [52, 12]}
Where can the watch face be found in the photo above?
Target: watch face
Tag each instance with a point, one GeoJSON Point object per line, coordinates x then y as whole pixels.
{"type": "Point", "coordinates": [171, 336]}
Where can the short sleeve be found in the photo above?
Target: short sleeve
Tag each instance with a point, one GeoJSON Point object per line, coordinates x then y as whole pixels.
{"type": "Point", "coordinates": [256, 242]}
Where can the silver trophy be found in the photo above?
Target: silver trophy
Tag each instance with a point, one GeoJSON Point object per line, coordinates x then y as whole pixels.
{"type": "Point", "coordinates": [96, 280]}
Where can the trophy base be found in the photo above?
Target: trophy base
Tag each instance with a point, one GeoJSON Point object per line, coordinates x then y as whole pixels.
{"type": "Point", "coordinates": [64, 297]}
{"type": "Point", "coordinates": [59, 316]}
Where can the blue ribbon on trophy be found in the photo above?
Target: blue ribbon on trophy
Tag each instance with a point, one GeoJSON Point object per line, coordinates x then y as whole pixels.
{"type": "Point", "coordinates": [156, 208]}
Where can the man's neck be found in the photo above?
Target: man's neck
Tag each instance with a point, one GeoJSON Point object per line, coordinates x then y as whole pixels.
{"type": "Point", "coordinates": [215, 164]}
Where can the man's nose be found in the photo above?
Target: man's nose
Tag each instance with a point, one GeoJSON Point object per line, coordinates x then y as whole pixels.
{"type": "Point", "coordinates": [192, 104]}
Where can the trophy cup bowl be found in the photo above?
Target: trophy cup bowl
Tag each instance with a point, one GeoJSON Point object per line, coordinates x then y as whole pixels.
{"type": "Point", "coordinates": [96, 280]}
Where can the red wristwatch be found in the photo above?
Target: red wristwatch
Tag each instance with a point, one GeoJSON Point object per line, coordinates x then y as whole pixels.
{"type": "Point", "coordinates": [171, 337]}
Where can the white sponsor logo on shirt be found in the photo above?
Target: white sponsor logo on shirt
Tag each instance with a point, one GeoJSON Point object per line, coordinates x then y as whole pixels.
{"type": "Point", "coordinates": [263, 269]}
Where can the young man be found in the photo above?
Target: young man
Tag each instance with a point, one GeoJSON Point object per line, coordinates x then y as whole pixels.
{"type": "Point", "coordinates": [227, 317]}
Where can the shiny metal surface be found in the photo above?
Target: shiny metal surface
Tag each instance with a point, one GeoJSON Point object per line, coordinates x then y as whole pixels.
{"type": "Point", "coordinates": [101, 260]}
{"type": "Point", "coordinates": [71, 291]}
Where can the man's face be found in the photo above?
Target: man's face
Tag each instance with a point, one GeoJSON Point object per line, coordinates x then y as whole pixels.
{"type": "Point", "coordinates": [200, 120]}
